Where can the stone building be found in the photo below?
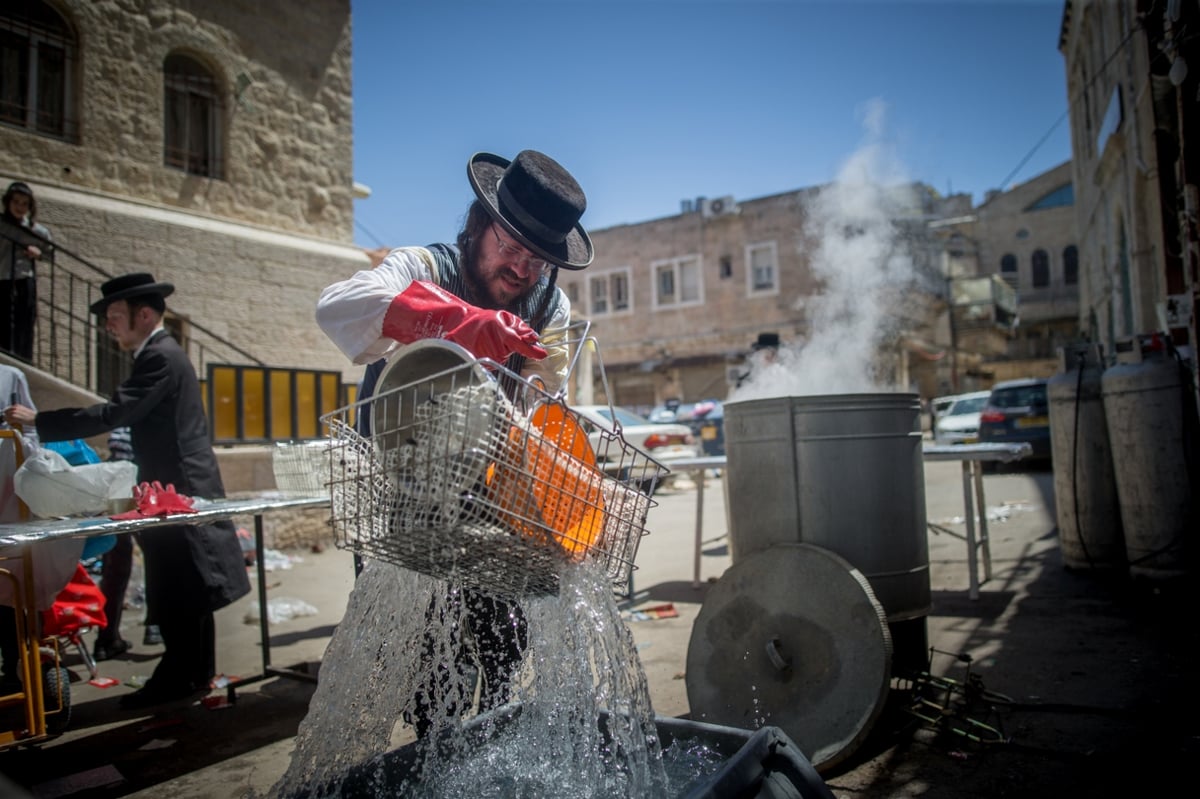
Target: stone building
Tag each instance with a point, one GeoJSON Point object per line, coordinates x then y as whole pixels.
{"type": "Point", "coordinates": [1133, 81]}
{"type": "Point", "coordinates": [207, 142]}
{"type": "Point", "coordinates": [1025, 237]}
{"type": "Point", "coordinates": [677, 302]}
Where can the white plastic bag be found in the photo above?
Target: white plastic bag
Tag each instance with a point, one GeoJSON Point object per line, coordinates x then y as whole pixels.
{"type": "Point", "coordinates": [11, 442]}
{"type": "Point", "coordinates": [51, 487]}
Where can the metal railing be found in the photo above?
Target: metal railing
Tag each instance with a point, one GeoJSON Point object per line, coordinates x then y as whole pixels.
{"type": "Point", "coordinates": [70, 344]}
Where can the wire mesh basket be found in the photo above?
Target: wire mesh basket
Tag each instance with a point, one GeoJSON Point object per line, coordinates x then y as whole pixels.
{"type": "Point", "coordinates": [300, 467]}
{"type": "Point", "coordinates": [471, 473]}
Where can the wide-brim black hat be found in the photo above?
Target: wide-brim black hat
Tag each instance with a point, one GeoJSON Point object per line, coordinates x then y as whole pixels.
{"type": "Point", "coordinates": [137, 284]}
{"type": "Point", "coordinates": [537, 202]}
{"type": "Point", "coordinates": [766, 341]}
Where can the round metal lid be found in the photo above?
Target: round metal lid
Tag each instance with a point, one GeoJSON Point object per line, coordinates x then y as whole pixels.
{"type": "Point", "coordinates": [792, 636]}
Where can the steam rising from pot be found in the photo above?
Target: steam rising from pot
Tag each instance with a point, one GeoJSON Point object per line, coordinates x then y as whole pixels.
{"type": "Point", "coordinates": [861, 265]}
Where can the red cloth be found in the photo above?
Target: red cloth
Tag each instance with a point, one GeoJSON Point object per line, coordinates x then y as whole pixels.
{"type": "Point", "coordinates": [80, 604]}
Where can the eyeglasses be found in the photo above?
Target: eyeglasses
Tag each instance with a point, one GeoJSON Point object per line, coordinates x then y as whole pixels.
{"type": "Point", "coordinates": [518, 255]}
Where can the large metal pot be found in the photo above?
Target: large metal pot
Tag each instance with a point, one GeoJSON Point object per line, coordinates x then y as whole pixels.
{"type": "Point", "coordinates": [841, 471]}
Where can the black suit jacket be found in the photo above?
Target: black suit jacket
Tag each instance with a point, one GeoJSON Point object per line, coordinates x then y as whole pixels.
{"type": "Point", "coordinates": [188, 569]}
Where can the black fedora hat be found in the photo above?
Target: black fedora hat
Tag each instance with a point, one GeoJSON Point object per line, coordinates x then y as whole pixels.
{"type": "Point", "coordinates": [137, 284]}
{"type": "Point", "coordinates": [537, 202]}
{"type": "Point", "coordinates": [766, 341]}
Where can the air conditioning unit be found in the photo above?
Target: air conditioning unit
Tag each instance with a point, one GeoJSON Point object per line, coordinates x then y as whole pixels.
{"type": "Point", "coordinates": [718, 206]}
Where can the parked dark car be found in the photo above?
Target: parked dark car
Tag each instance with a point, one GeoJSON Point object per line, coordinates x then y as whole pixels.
{"type": "Point", "coordinates": [1018, 411]}
{"type": "Point", "coordinates": [707, 420]}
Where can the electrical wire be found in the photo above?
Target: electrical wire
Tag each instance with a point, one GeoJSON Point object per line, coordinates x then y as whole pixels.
{"type": "Point", "coordinates": [1034, 149]}
{"type": "Point", "coordinates": [1096, 74]}
{"type": "Point", "coordinates": [367, 230]}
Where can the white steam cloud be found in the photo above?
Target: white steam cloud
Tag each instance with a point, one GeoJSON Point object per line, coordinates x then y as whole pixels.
{"type": "Point", "coordinates": [861, 265]}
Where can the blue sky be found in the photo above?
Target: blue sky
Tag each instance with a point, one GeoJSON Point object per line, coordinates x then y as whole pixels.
{"type": "Point", "coordinates": [649, 102]}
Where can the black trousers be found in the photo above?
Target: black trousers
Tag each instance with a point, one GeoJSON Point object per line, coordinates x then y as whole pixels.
{"type": "Point", "coordinates": [484, 630]}
{"type": "Point", "coordinates": [114, 580]}
{"type": "Point", "coordinates": [18, 310]}
{"type": "Point", "coordinates": [10, 669]}
{"type": "Point", "coordinates": [189, 651]}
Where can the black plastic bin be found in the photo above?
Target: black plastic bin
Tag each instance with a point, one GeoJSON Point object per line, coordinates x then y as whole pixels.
{"type": "Point", "coordinates": [762, 764]}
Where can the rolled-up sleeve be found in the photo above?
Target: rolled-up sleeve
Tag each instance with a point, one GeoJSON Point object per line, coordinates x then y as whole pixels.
{"type": "Point", "coordinates": [351, 311]}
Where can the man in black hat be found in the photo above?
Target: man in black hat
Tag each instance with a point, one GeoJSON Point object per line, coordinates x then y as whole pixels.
{"type": "Point", "coordinates": [762, 352]}
{"type": "Point", "coordinates": [494, 292]}
{"type": "Point", "coordinates": [191, 571]}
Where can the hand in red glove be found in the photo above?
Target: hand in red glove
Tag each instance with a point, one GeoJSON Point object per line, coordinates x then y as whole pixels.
{"type": "Point", "coordinates": [154, 500]}
{"type": "Point", "coordinates": [424, 310]}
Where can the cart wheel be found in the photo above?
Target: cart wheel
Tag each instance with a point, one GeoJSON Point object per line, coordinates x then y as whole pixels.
{"type": "Point", "coordinates": [56, 698]}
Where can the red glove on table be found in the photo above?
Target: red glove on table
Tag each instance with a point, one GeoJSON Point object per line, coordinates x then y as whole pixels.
{"type": "Point", "coordinates": [154, 500]}
{"type": "Point", "coordinates": [424, 310]}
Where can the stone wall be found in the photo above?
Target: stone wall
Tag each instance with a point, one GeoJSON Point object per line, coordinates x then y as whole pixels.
{"type": "Point", "coordinates": [255, 288]}
{"type": "Point", "coordinates": [284, 76]}
{"type": "Point", "coordinates": [305, 529]}
{"type": "Point", "coordinates": [248, 252]}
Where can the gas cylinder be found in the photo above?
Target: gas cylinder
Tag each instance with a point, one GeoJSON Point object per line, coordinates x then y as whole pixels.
{"type": "Point", "coordinates": [1085, 488]}
{"type": "Point", "coordinates": [1144, 407]}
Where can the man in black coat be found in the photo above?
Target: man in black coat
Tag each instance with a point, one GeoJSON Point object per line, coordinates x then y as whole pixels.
{"type": "Point", "coordinates": [191, 571]}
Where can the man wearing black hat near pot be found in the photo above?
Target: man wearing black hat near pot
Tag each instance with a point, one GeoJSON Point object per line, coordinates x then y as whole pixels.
{"type": "Point", "coordinates": [763, 351]}
{"type": "Point", "coordinates": [494, 292]}
{"type": "Point", "coordinates": [191, 571]}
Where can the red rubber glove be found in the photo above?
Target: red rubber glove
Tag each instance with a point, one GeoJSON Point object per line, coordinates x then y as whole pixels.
{"type": "Point", "coordinates": [424, 310]}
{"type": "Point", "coordinates": [154, 500]}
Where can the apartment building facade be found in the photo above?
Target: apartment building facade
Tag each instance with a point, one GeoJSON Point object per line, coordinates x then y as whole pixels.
{"type": "Point", "coordinates": [676, 303]}
{"type": "Point", "coordinates": [1023, 238]}
{"type": "Point", "coordinates": [1133, 82]}
{"type": "Point", "coordinates": [207, 143]}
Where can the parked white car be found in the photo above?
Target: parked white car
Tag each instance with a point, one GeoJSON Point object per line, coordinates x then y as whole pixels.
{"type": "Point", "coordinates": [959, 422]}
{"type": "Point", "coordinates": [662, 442]}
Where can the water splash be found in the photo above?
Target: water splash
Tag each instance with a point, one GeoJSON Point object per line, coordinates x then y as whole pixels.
{"type": "Point", "coordinates": [581, 723]}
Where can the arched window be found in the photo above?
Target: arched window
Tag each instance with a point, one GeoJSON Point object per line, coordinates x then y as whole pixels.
{"type": "Point", "coordinates": [1071, 265]}
{"type": "Point", "coordinates": [1008, 269]}
{"type": "Point", "coordinates": [1041, 269]}
{"type": "Point", "coordinates": [192, 117]}
{"type": "Point", "coordinates": [38, 57]}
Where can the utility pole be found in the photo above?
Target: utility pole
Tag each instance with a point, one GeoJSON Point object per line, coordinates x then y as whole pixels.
{"type": "Point", "coordinates": [953, 335]}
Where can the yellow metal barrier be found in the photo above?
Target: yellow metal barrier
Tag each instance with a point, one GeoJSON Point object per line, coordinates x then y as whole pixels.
{"type": "Point", "coordinates": [256, 404]}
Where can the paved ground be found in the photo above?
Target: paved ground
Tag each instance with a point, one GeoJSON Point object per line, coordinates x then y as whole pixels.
{"type": "Point", "coordinates": [1099, 671]}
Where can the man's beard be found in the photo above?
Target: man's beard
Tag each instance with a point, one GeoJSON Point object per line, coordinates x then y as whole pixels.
{"type": "Point", "coordinates": [480, 295]}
